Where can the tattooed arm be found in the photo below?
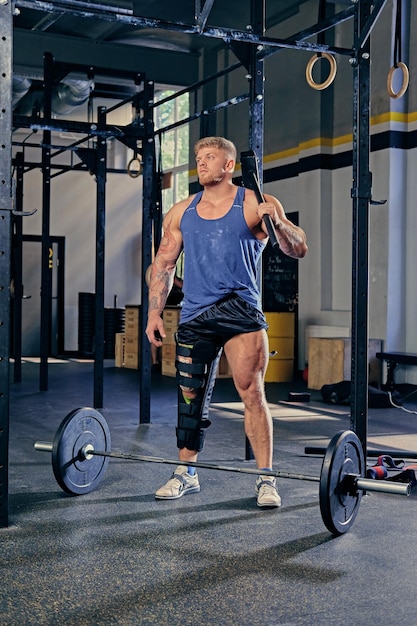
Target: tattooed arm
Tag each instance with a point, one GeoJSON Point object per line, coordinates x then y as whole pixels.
{"type": "Point", "coordinates": [163, 271]}
{"type": "Point", "coordinates": [291, 238]}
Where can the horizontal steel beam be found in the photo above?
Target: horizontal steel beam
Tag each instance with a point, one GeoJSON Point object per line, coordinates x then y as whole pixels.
{"type": "Point", "coordinates": [125, 16]}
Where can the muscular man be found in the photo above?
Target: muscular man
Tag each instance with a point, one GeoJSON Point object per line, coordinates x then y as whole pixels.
{"type": "Point", "coordinates": [222, 233]}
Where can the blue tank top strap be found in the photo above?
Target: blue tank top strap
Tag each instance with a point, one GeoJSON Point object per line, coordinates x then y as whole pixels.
{"type": "Point", "coordinates": [240, 196]}
{"type": "Point", "coordinates": [195, 200]}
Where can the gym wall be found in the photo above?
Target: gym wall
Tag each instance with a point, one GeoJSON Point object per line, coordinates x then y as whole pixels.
{"type": "Point", "coordinates": [307, 151]}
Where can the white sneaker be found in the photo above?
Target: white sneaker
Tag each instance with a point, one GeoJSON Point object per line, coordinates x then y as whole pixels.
{"type": "Point", "coordinates": [266, 492]}
{"type": "Point", "coordinates": [180, 483]}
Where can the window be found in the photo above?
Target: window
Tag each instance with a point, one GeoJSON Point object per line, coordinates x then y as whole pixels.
{"type": "Point", "coordinates": [174, 146]}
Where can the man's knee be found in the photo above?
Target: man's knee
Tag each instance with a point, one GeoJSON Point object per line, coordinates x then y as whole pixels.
{"type": "Point", "coordinates": [196, 369]}
{"type": "Point", "coordinates": [188, 392]}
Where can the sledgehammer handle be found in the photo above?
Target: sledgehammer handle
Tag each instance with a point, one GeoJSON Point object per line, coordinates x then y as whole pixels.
{"type": "Point", "coordinates": [250, 177]}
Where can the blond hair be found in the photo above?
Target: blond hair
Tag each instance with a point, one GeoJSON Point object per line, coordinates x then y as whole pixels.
{"type": "Point", "coordinates": [218, 142]}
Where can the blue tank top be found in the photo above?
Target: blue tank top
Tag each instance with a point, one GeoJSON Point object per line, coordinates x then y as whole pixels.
{"type": "Point", "coordinates": [221, 257]}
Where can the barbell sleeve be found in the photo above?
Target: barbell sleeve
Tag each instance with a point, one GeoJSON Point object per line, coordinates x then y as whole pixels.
{"type": "Point", "coordinates": [383, 486]}
{"type": "Point", "coordinates": [43, 446]}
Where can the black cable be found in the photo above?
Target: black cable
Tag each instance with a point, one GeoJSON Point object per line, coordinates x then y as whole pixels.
{"type": "Point", "coordinates": [321, 17]}
{"type": "Point", "coordinates": [397, 34]}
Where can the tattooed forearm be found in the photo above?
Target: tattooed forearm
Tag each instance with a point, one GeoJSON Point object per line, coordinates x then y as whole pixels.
{"type": "Point", "coordinates": [291, 240]}
{"type": "Point", "coordinates": [161, 284]}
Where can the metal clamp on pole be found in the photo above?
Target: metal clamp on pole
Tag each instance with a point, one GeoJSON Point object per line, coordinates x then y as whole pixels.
{"type": "Point", "coordinates": [24, 213]}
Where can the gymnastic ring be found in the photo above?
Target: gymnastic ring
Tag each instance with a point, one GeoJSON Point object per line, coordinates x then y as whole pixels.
{"type": "Point", "coordinates": [134, 173]}
{"type": "Point", "coordinates": [406, 79]}
{"type": "Point", "coordinates": [331, 76]}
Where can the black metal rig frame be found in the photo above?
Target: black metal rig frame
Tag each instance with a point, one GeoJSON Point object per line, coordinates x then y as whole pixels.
{"type": "Point", "coordinates": [251, 48]}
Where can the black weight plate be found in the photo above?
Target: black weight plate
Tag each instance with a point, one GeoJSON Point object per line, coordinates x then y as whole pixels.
{"type": "Point", "coordinates": [339, 503]}
{"type": "Point", "coordinates": [74, 474]}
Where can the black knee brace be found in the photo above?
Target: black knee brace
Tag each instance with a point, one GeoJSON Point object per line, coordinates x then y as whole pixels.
{"type": "Point", "coordinates": [199, 375]}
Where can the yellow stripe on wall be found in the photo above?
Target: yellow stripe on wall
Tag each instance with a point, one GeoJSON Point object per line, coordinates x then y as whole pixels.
{"type": "Point", "coordinates": [328, 142]}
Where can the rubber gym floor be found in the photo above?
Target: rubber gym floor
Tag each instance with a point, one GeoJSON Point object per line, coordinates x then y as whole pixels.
{"type": "Point", "coordinates": [118, 556]}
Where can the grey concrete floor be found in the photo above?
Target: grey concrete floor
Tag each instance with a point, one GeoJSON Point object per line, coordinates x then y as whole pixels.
{"type": "Point", "coordinates": [118, 556]}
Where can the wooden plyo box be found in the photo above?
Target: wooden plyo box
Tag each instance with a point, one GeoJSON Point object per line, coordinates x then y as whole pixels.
{"type": "Point", "coordinates": [132, 312]}
{"type": "Point", "coordinates": [119, 350]}
{"type": "Point", "coordinates": [329, 361]}
{"type": "Point", "coordinates": [326, 362]}
{"type": "Point", "coordinates": [131, 360]}
{"type": "Point", "coordinates": [126, 351]}
{"type": "Point", "coordinates": [171, 317]}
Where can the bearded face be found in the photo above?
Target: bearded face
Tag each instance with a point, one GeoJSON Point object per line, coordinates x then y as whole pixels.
{"type": "Point", "coordinates": [212, 165]}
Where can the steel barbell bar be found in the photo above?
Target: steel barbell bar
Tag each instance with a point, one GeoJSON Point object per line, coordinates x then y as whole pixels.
{"type": "Point", "coordinates": [88, 451]}
{"type": "Point", "coordinates": [79, 465]}
{"type": "Point", "coordinates": [365, 484]}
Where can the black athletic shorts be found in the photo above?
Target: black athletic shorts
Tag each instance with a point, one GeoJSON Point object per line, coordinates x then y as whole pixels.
{"type": "Point", "coordinates": [229, 317]}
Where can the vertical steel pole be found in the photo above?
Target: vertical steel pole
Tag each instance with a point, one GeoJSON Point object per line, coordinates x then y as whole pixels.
{"type": "Point", "coordinates": [101, 172]}
{"type": "Point", "coordinates": [256, 103]}
{"type": "Point", "coordinates": [46, 279]}
{"type": "Point", "coordinates": [256, 111]}
{"type": "Point", "coordinates": [6, 206]}
{"type": "Point", "coordinates": [149, 172]}
{"type": "Point", "coordinates": [361, 196]}
{"type": "Point", "coordinates": [17, 263]}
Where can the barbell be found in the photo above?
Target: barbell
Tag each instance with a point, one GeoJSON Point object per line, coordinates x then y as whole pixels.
{"type": "Point", "coordinates": [81, 450]}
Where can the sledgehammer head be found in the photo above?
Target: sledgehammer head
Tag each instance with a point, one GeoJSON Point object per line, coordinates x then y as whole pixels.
{"type": "Point", "coordinates": [250, 173]}
{"type": "Point", "coordinates": [250, 178]}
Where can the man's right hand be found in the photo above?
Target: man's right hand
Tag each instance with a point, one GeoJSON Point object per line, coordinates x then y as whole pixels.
{"type": "Point", "coordinates": [155, 330]}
